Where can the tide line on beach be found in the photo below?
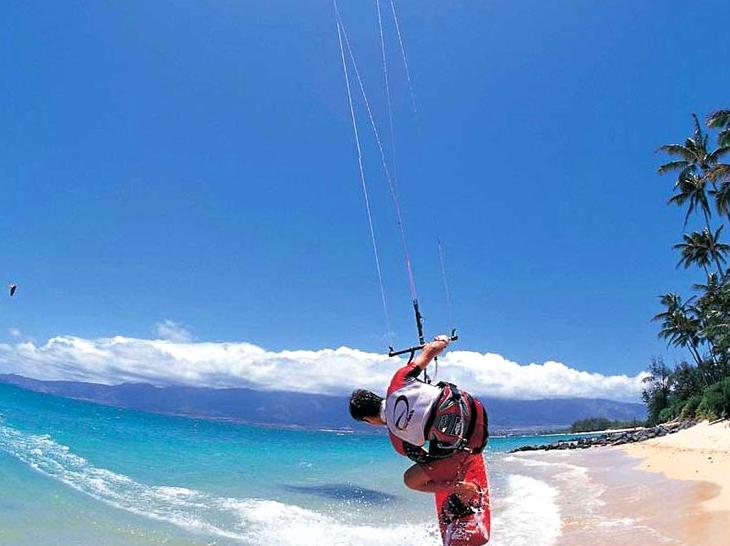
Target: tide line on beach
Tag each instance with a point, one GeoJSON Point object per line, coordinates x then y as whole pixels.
{"type": "Point", "coordinates": [669, 490]}
{"type": "Point", "coordinates": [700, 453]}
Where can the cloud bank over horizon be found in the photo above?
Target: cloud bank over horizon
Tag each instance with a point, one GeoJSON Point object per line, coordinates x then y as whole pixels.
{"type": "Point", "coordinates": [181, 361]}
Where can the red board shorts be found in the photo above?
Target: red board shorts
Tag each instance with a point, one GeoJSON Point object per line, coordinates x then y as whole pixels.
{"type": "Point", "coordinates": [454, 468]}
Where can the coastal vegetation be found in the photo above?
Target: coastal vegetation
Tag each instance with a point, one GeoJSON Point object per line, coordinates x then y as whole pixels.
{"type": "Point", "coordinates": [699, 386]}
{"type": "Point", "coordinates": [596, 424]}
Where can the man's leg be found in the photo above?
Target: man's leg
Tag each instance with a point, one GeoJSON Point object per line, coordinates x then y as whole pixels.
{"type": "Point", "coordinates": [418, 479]}
{"type": "Point", "coordinates": [444, 474]}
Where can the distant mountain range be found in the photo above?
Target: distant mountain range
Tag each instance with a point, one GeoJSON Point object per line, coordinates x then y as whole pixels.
{"type": "Point", "coordinates": [312, 410]}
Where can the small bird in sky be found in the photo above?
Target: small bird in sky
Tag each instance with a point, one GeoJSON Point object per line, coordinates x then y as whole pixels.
{"type": "Point", "coordinates": [13, 287]}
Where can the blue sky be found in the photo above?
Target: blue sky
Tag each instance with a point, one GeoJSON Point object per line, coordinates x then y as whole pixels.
{"type": "Point", "coordinates": [194, 162]}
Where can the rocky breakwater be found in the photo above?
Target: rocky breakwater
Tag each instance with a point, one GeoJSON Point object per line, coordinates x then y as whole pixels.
{"type": "Point", "coordinates": [611, 438]}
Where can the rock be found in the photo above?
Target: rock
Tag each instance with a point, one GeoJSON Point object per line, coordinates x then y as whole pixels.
{"type": "Point", "coordinates": [612, 438]}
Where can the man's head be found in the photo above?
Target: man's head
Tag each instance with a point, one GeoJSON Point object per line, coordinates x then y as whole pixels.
{"type": "Point", "coordinates": [365, 406]}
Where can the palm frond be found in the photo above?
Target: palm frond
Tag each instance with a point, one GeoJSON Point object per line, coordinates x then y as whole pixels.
{"type": "Point", "coordinates": [680, 150]}
{"type": "Point", "coordinates": [678, 199]}
{"type": "Point", "coordinates": [722, 196]}
{"type": "Point", "coordinates": [672, 166]}
{"type": "Point", "coordinates": [700, 138]}
{"type": "Point", "coordinates": [718, 154]}
{"type": "Point", "coordinates": [690, 210]}
{"type": "Point", "coordinates": [723, 139]}
{"type": "Point", "coordinates": [721, 118]}
{"type": "Point", "coordinates": [719, 172]}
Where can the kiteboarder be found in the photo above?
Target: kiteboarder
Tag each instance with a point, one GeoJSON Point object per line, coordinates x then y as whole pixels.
{"type": "Point", "coordinates": [415, 412]}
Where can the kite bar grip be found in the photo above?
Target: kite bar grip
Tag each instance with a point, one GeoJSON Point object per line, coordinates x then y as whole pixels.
{"type": "Point", "coordinates": [412, 350]}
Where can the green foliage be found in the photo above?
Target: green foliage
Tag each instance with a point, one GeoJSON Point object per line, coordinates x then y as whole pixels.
{"type": "Point", "coordinates": [673, 410]}
{"type": "Point", "coordinates": [667, 414]}
{"type": "Point", "coordinates": [594, 424]}
{"type": "Point", "coordinates": [701, 323]}
{"type": "Point", "coordinates": [689, 411]}
{"type": "Point", "coordinates": [715, 403]}
{"type": "Point", "coordinates": [721, 120]}
{"type": "Point", "coordinates": [716, 309]}
{"type": "Point", "coordinates": [703, 248]}
{"type": "Point", "coordinates": [679, 327]}
{"type": "Point", "coordinates": [686, 381]}
{"type": "Point", "coordinates": [692, 191]}
{"type": "Point", "coordinates": [685, 392]}
{"type": "Point", "coordinates": [656, 390]}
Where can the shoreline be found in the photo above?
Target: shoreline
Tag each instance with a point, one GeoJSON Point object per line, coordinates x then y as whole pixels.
{"type": "Point", "coordinates": [672, 489]}
{"type": "Point", "coordinates": [612, 438]}
{"type": "Point", "coordinates": [700, 453]}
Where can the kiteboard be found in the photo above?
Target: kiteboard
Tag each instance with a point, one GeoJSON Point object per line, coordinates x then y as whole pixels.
{"type": "Point", "coordinates": [474, 527]}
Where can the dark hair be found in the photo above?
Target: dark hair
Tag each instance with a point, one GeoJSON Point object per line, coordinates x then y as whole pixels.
{"type": "Point", "coordinates": [364, 404]}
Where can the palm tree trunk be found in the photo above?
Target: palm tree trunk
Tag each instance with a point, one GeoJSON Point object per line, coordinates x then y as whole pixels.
{"type": "Point", "coordinates": [713, 357]}
{"type": "Point", "coordinates": [707, 219]}
{"type": "Point", "coordinates": [719, 266]}
{"type": "Point", "coordinates": [695, 353]}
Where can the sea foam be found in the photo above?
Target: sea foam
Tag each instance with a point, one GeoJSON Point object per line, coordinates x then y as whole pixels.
{"type": "Point", "coordinates": [525, 511]}
{"type": "Point", "coordinates": [242, 520]}
{"type": "Point", "coordinates": [527, 515]}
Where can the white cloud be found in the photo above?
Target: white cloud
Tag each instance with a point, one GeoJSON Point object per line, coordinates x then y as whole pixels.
{"type": "Point", "coordinates": [14, 332]}
{"type": "Point", "coordinates": [172, 331]}
{"type": "Point", "coordinates": [327, 371]}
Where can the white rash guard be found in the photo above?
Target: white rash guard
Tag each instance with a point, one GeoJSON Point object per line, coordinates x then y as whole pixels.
{"type": "Point", "coordinates": [408, 408]}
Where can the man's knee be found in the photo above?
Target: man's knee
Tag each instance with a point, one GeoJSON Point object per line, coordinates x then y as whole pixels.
{"type": "Point", "coordinates": [415, 477]}
{"type": "Point", "coordinates": [408, 477]}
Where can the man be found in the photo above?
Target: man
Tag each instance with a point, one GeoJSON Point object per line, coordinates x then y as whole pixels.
{"type": "Point", "coordinates": [415, 412]}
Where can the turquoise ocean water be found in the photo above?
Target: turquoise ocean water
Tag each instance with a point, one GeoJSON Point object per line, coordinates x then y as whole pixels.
{"type": "Point", "coordinates": [76, 473]}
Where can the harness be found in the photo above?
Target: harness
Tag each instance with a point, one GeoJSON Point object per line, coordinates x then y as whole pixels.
{"type": "Point", "coordinates": [448, 424]}
{"type": "Point", "coordinates": [448, 427]}
{"type": "Point", "coordinates": [468, 414]}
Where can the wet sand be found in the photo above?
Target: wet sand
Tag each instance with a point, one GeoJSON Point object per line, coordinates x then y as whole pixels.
{"type": "Point", "coordinates": [701, 453]}
{"type": "Point", "coordinates": [641, 494]}
{"type": "Point", "coordinates": [639, 507]}
{"type": "Point", "coordinates": [699, 456]}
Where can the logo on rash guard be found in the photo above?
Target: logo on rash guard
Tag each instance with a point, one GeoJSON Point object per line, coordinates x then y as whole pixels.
{"type": "Point", "coordinates": [402, 413]}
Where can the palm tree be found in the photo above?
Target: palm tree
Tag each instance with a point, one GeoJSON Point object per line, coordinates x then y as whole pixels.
{"type": "Point", "coordinates": [721, 194]}
{"type": "Point", "coordinates": [702, 248]}
{"type": "Point", "coordinates": [693, 163]}
{"type": "Point", "coordinates": [707, 308]}
{"type": "Point", "coordinates": [690, 189]}
{"type": "Point", "coordinates": [718, 328]}
{"type": "Point", "coordinates": [720, 172]}
{"type": "Point", "coordinates": [693, 155]}
{"type": "Point", "coordinates": [709, 291]}
{"type": "Point", "coordinates": [678, 327]}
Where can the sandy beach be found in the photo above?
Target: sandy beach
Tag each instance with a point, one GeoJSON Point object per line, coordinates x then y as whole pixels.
{"type": "Point", "coordinates": [670, 490]}
{"type": "Point", "coordinates": [699, 455]}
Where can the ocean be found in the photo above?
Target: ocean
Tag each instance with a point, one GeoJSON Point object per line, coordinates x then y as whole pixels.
{"type": "Point", "coordinates": [77, 473]}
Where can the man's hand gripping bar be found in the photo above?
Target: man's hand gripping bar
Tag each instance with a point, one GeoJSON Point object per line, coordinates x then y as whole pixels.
{"type": "Point", "coordinates": [412, 350]}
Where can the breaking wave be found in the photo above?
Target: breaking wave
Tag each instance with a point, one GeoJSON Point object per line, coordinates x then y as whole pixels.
{"type": "Point", "coordinates": [525, 509]}
{"type": "Point", "coordinates": [242, 520]}
{"type": "Point", "coordinates": [529, 515]}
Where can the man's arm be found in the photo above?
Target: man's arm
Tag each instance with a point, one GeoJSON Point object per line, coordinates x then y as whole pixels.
{"type": "Point", "coordinates": [411, 370]}
{"type": "Point", "coordinates": [414, 453]}
{"type": "Point", "coordinates": [430, 351]}
{"type": "Point", "coordinates": [397, 443]}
